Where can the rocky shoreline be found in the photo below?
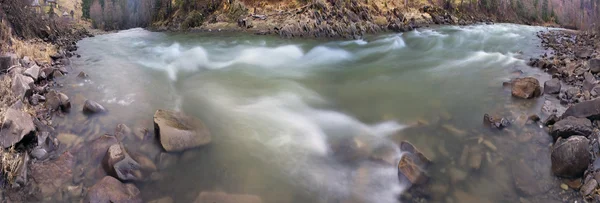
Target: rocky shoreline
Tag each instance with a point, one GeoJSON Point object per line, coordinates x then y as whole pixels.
{"type": "Point", "coordinates": [572, 119]}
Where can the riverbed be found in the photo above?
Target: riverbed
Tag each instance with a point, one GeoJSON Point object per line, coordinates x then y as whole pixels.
{"type": "Point", "coordinates": [278, 109]}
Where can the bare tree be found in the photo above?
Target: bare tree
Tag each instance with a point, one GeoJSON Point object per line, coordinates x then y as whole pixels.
{"type": "Point", "coordinates": [96, 14]}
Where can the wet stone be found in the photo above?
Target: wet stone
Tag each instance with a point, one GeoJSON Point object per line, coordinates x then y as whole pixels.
{"type": "Point", "coordinates": [571, 126]}
{"type": "Point", "coordinates": [552, 86]}
{"type": "Point", "coordinates": [526, 88]}
{"type": "Point", "coordinates": [570, 157]}
{"type": "Point", "coordinates": [588, 187]}
{"type": "Point", "coordinates": [587, 109]}
{"type": "Point", "coordinates": [178, 132]}
{"type": "Point", "coordinates": [92, 107]}
{"type": "Point", "coordinates": [50, 176]}
{"type": "Point", "coordinates": [110, 189]}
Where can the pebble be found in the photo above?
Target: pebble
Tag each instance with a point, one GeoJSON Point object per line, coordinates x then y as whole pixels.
{"type": "Point", "coordinates": [564, 186]}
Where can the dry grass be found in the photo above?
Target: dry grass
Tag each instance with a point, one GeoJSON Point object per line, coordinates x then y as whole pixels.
{"type": "Point", "coordinates": [37, 50]}
{"type": "Point", "coordinates": [10, 161]}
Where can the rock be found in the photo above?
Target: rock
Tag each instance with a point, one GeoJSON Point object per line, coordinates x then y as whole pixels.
{"type": "Point", "coordinates": [412, 165]}
{"type": "Point", "coordinates": [571, 126]}
{"type": "Point", "coordinates": [564, 186]}
{"type": "Point", "coordinates": [33, 72]}
{"type": "Point", "coordinates": [526, 88]}
{"type": "Point", "coordinates": [589, 187]}
{"type": "Point", "coordinates": [51, 176]}
{"type": "Point", "coordinates": [6, 61]}
{"type": "Point", "coordinates": [119, 164]}
{"type": "Point", "coordinates": [525, 180]}
{"type": "Point", "coordinates": [221, 197]}
{"type": "Point", "coordinates": [549, 108]}
{"type": "Point", "coordinates": [91, 107]}
{"type": "Point", "coordinates": [163, 200]}
{"type": "Point", "coordinates": [110, 189]}
{"type": "Point", "coordinates": [56, 100]}
{"type": "Point", "coordinates": [57, 74]}
{"type": "Point", "coordinates": [165, 160]}
{"type": "Point", "coordinates": [575, 184]}
{"type": "Point", "coordinates": [496, 123]}
{"type": "Point", "coordinates": [350, 148]}
{"type": "Point", "coordinates": [46, 73]}
{"type": "Point", "coordinates": [475, 158]}
{"type": "Point", "coordinates": [122, 131]}
{"type": "Point", "coordinates": [83, 75]}
{"type": "Point", "coordinates": [178, 132]}
{"type": "Point", "coordinates": [583, 52]}
{"type": "Point", "coordinates": [21, 85]}
{"type": "Point", "coordinates": [594, 65]}
{"type": "Point", "coordinates": [587, 109]}
{"type": "Point", "coordinates": [570, 157]}
{"type": "Point", "coordinates": [15, 126]}
{"type": "Point", "coordinates": [552, 86]}
{"type": "Point", "coordinates": [75, 191]}
{"type": "Point", "coordinates": [145, 163]}
{"type": "Point", "coordinates": [98, 148]}
{"type": "Point", "coordinates": [457, 175]}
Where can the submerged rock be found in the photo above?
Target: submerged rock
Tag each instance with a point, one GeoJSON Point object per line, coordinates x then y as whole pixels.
{"type": "Point", "coordinates": [92, 107]}
{"type": "Point", "coordinates": [119, 164]}
{"type": "Point", "coordinates": [552, 86]}
{"type": "Point", "coordinates": [496, 123]}
{"type": "Point", "coordinates": [412, 165]}
{"type": "Point", "coordinates": [524, 178]}
{"type": "Point", "coordinates": [221, 197]}
{"type": "Point", "coordinates": [15, 126]}
{"type": "Point", "coordinates": [526, 88]}
{"type": "Point", "coordinates": [110, 189]}
{"type": "Point", "coordinates": [178, 132]}
{"type": "Point", "coordinates": [570, 157]}
{"type": "Point", "coordinates": [572, 126]}
{"type": "Point", "coordinates": [52, 175]}
{"type": "Point", "coordinates": [83, 75]}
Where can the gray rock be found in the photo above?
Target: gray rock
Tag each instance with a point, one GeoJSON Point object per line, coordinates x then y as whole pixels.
{"type": "Point", "coordinates": [572, 126]}
{"type": "Point", "coordinates": [92, 107]}
{"type": "Point", "coordinates": [39, 153]}
{"type": "Point", "coordinates": [21, 85]}
{"type": "Point", "coordinates": [594, 65]}
{"type": "Point", "coordinates": [33, 72]}
{"type": "Point", "coordinates": [110, 189]}
{"type": "Point", "coordinates": [587, 109]}
{"type": "Point", "coordinates": [588, 187]}
{"type": "Point", "coordinates": [120, 165]}
{"type": "Point", "coordinates": [570, 157]}
{"type": "Point", "coordinates": [50, 176]}
{"type": "Point", "coordinates": [589, 81]}
{"type": "Point", "coordinates": [526, 88]}
{"type": "Point", "coordinates": [83, 75]}
{"type": "Point", "coordinates": [583, 52]}
{"type": "Point", "coordinates": [178, 132]}
{"type": "Point", "coordinates": [15, 126]}
{"type": "Point", "coordinates": [552, 86]}
{"type": "Point", "coordinates": [56, 100]}
{"type": "Point", "coordinates": [549, 108]}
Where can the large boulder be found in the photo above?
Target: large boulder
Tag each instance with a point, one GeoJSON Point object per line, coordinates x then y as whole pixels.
{"type": "Point", "coordinates": [570, 157]}
{"type": "Point", "coordinates": [412, 165]}
{"type": "Point", "coordinates": [110, 189]}
{"type": "Point", "coordinates": [119, 164]}
{"type": "Point", "coordinates": [56, 100]}
{"type": "Point", "coordinates": [51, 176]}
{"type": "Point", "coordinates": [526, 88]}
{"type": "Point", "coordinates": [92, 107]}
{"type": "Point", "coordinates": [552, 86]}
{"type": "Point", "coordinates": [178, 132]}
{"type": "Point", "coordinates": [222, 197]}
{"type": "Point", "coordinates": [594, 65]}
{"type": "Point", "coordinates": [33, 72]}
{"type": "Point", "coordinates": [15, 125]}
{"type": "Point", "coordinates": [571, 126]}
{"type": "Point", "coordinates": [21, 85]}
{"type": "Point", "coordinates": [587, 109]}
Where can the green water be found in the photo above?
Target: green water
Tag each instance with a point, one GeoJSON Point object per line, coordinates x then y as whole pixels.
{"type": "Point", "coordinates": [276, 107]}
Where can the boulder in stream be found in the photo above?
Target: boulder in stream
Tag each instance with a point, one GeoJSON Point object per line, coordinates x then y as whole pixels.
{"type": "Point", "coordinates": [178, 131]}
{"type": "Point", "coordinates": [526, 88]}
{"type": "Point", "coordinates": [110, 189]}
{"type": "Point", "coordinates": [412, 165]}
{"type": "Point", "coordinates": [119, 164]}
{"type": "Point", "coordinates": [570, 157]}
{"type": "Point", "coordinates": [92, 107]}
{"type": "Point", "coordinates": [56, 100]}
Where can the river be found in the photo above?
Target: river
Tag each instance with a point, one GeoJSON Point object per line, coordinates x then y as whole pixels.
{"type": "Point", "coordinates": [275, 108]}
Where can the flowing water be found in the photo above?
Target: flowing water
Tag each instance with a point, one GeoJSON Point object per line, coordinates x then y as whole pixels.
{"type": "Point", "coordinates": [276, 108]}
